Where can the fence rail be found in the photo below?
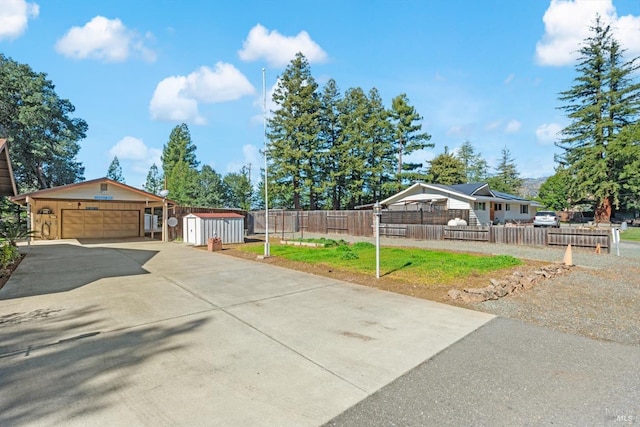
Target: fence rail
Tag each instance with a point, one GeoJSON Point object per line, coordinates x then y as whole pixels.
{"type": "Point", "coordinates": [359, 223]}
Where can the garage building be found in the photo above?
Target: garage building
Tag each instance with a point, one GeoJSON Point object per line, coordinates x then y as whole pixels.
{"type": "Point", "coordinates": [97, 209]}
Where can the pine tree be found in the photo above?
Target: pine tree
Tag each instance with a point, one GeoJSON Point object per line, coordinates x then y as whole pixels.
{"type": "Point", "coordinates": [353, 110]}
{"type": "Point", "coordinates": [446, 169]}
{"type": "Point", "coordinates": [334, 177]}
{"type": "Point", "coordinates": [179, 148]}
{"type": "Point", "coordinates": [155, 181]}
{"type": "Point", "coordinates": [507, 178]}
{"type": "Point", "coordinates": [180, 166]}
{"type": "Point", "coordinates": [115, 170]}
{"type": "Point", "coordinates": [210, 190]}
{"type": "Point", "coordinates": [601, 104]}
{"type": "Point", "coordinates": [294, 131]}
{"type": "Point", "coordinates": [475, 167]}
{"type": "Point", "coordinates": [381, 156]}
{"type": "Point", "coordinates": [407, 138]}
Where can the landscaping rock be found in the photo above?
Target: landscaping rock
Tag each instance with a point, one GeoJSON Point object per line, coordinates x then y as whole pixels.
{"type": "Point", "coordinates": [501, 288]}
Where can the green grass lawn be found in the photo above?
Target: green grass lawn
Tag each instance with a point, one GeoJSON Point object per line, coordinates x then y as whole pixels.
{"type": "Point", "coordinates": [631, 234]}
{"type": "Point", "coordinates": [417, 265]}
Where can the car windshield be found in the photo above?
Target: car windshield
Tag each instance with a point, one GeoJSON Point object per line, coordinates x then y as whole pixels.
{"type": "Point", "coordinates": [545, 213]}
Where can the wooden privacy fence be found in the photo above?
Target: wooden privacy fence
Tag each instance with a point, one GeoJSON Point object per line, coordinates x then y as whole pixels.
{"type": "Point", "coordinates": [359, 223]}
{"type": "Point", "coordinates": [354, 223]}
{"type": "Point", "coordinates": [531, 236]}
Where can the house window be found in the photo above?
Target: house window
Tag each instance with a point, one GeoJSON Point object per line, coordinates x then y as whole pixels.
{"type": "Point", "coordinates": [524, 209]}
{"type": "Point", "coordinates": [507, 207]}
{"type": "Point", "coordinates": [104, 187]}
{"type": "Point", "coordinates": [480, 206]}
{"type": "Point", "coordinates": [498, 206]}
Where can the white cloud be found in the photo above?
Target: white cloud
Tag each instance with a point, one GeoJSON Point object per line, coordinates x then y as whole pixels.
{"type": "Point", "coordinates": [14, 17]}
{"type": "Point", "coordinates": [509, 78]}
{"type": "Point", "coordinates": [278, 50]}
{"type": "Point", "coordinates": [225, 83]}
{"type": "Point", "coordinates": [176, 98]}
{"type": "Point", "coordinates": [567, 25]}
{"type": "Point", "coordinates": [548, 133]}
{"type": "Point", "coordinates": [106, 40]}
{"type": "Point", "coordinates": [493, 125]}
{"type": "Point", "coordinates": [133, 153]}
{"type": "Point", "coordinates": [513, 126]}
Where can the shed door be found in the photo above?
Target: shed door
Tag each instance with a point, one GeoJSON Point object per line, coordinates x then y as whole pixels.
{"type": "Point", "coordinates": [191, 230]}
{"type": "Point", "coordinates": [90, 224]}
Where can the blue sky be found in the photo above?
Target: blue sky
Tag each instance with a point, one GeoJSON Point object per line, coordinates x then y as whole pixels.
{"type": "Point", "coordinates": [484, 71]}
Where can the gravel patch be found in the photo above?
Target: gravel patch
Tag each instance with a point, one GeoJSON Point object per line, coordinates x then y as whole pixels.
{"type": "Point", "coordinates": [599, 298]}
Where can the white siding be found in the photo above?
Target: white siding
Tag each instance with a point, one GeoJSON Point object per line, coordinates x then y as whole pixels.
{"type": "Point", "coordinates": [230, 230]}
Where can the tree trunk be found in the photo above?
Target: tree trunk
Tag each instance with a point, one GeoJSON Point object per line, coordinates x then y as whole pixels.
{"type": "Point", "coordinates": [604, 210]}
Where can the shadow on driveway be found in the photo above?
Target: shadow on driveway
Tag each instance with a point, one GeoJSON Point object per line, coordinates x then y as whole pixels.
{"type": "Point", "coordinates": [88, 368]}
{"type": "Point", "coordinates": [56, 268]}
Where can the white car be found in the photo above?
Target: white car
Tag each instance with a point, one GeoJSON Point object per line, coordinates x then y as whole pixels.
{"type": "Point", "coordinates": [546, 219]}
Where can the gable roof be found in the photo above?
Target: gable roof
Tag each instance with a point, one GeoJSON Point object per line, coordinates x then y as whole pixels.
{"type": "Point", "coordinates": [21, 198]}
{"type": "Point", "coordinates": [7, 182]}
{"type": "Point", "coordinates": [471, 191]}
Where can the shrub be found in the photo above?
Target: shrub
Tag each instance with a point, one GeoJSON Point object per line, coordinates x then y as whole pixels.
{"type": "Point", "coordinates": [343, 249]}
{"type": "Point", "coordinates": [8, 255]}
{"type": "Point", "coordinates": [348, 255]}
{"type": "Point", "coordinates": [363, 245]}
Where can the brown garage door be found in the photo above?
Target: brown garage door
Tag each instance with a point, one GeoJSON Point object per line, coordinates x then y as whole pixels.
{"type": "Point", "coordinates": [90, 224]}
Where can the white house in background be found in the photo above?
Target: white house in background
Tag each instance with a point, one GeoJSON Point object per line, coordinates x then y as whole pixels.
{"type": "Point", "coordinates": [485, 205]}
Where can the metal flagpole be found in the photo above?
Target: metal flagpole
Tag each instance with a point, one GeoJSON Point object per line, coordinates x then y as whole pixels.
{"type": "Point", "coordinates": [266, 175]}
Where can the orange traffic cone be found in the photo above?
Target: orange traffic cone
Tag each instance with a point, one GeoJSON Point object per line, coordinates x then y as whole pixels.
{"type": "Point", "coordinates": [598, 249]}
{"type": "Point", "coordinates": [568, 258]}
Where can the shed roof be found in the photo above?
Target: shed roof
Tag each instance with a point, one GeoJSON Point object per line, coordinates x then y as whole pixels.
{"type": "Point", "coordinates": [216, 215]}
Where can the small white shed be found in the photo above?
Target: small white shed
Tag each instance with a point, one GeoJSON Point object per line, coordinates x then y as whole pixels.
{"type": "Point", "coordinates": [198, 228]}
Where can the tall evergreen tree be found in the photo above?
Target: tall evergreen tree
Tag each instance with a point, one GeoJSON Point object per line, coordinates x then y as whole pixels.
{"type": "Point", "coordinates": [353, 109]}
{"type": "Point", "coordinates": [334, 177]}
{"type": "Point", "coordinates": [475, 167]}
{"type": "Point", "coordinates": [381, 156]}
{"type": "Point", "coordinates": [115, 170]}
{"type": "Point", "coordinates": [408, 137]}
{"type": "Point", "coordinates": [507, 178]}
{"type": "Point", "coordinates": [179, 148]}
{"type": "Point", "coordinates": [294, 130]}
{"type": "Point", "coordinates": [446, 169]}
{"type": "Point", "coordinates": [601, 103]}
{"type": "Point", "coordinates": [183, 184]}
{"type": "Point", "coordinates": [155, 181]}
{"type": "Point", "coordinates": [43, 134]}
{"type": "Point", "coordinates": [180, 166]}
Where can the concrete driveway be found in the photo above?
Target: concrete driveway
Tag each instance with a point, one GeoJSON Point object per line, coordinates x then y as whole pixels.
{"type": "Point", "coordinates": [149, 333]}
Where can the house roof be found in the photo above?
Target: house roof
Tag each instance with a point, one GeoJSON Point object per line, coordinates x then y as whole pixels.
{"type": "Point", "coordinates": [7, 182]}
{"type": "Point", "coordinates": [21, 199]}
{"type": "Point", "coordinates": [217, 215]}
{"type": "Point", "coordinates": [471, 191]}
